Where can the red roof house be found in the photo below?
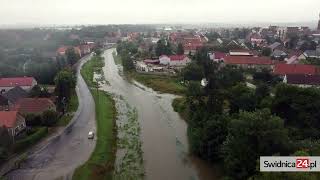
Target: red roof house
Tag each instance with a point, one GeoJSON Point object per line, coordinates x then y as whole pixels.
{"type": "Point", "coordinates": [26, 83]}
{"type": "Point", "coordinates": [34, 105]}
{"type": "Point", "coordinates": [283, 69]}
{"type": "Point", "coordinates": [13, 121]}
{"type": "Point", "coordinates": [248, 60]}
{"type": "Point", "coordinates": [176, 60]}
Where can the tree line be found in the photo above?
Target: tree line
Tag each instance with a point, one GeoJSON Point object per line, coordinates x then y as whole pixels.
{"type": "Point", "coordinates": [232, 124]}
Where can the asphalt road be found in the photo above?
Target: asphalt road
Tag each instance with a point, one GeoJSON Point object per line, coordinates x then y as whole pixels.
{"type": "Point", "coordinates": [58, 158]}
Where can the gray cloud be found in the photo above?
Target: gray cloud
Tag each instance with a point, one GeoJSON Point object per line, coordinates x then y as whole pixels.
{"type": "Point", "coordinates": [155, 11]}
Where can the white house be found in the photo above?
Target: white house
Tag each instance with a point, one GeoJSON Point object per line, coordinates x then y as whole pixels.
{"type": "Point", "coordinates": [179, 60]}
{"type": "Point", "coordinates": [164, 60]}
{"type": "Point", "coordinates": [26, 83]}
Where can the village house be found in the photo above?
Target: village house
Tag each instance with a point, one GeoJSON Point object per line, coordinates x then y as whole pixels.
{"type": "Point", "coordinates": [285, 69]}
{"type": "Point", "coordinates": [217, 56]}
{"type": "Point", "coordinates": [249, 61]}
{"type": "Point", "coordinates": [62, 50]}
{"type": "Point", "coordinates": [311, 54]}
{"type": "Point", "coordinates": [302, 80]}
{"type": "Point", "coordinates": [279, 54]}
{"type": "Point", "coordinates": [275, 46]}
{"type": "Point", "coordinates": [240, 52]}
{"type": "Point", "coordinates": [164, 60]}
{"type": "Point", "coordinates": [13, 122]}
{"type": "Point", "coordinates": [34, 106]}
{"type": "Point", "coordinates": [26, 83]}
{"type": "Point", "coordinates": [8, 99]}
{"type": "Point", "coordinates": [85, 49]}
{"type": "Point", "coordinates": [179, 60]}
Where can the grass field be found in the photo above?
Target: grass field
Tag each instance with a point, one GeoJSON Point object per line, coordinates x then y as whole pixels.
{"type": "Point", "coordinates": [101, 162]}
{"type": "Point", "coordinates": [162, 84]}
{"type": "Point", "coordinates": [88, 69]}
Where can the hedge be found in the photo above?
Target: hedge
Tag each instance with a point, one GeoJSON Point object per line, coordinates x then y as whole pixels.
{"type": "Point", "coordinates": [30, 140]}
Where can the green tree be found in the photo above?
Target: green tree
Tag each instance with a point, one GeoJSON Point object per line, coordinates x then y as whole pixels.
{"type": "Point", "coordinates": [180, 49]}
{"type": "Point", "coordinates": [72, 56]}
{"type": "Point", "coordinates": [38, 91]}
{"type": "Point", "coordinates": [5, 143]}
{"type": "Point", "coordinates": [299, 108]}
{"type": "Point", "coordinates": [65, 83]}
{"type": "Point", "coordinates": [193, 72]}
{"type": "Point", "coordinates": [266, 51]}
{"type": "Point", "coordinates": [241, 98]}
{"type": "Point", "coordinates": [207, 135]}
{"type": "Point", "coordinates": [251, 135]}
{"type": "Point", "coordinates": [49, 118]}
{"type": "Point", "coordinates": [163, 47]}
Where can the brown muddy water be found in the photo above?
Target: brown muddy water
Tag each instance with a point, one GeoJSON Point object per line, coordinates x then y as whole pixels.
{"type": "Point", "coordinates": [162, 131]}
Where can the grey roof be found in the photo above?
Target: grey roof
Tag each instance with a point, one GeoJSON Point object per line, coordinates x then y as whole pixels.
{"type": "Point", "coordinates": [312, 53]}
{"type": "Point", "coordinates": [278, 53]}
{"type": "Point", "coordinates": [15, 94]}
{"type": "Point", "coordinates": [303, 79]}
{"type": "Point", "coordinates": [274, 45]}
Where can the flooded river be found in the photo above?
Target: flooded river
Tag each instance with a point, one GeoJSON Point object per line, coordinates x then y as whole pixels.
{"type": "Point", "coordinates": [162, 133]}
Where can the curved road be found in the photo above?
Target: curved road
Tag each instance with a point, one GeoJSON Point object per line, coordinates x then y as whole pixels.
{"type": "Point", "coordinates": [58, 158]}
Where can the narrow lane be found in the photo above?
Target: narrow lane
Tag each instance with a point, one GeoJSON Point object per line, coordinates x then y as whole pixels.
{"type": "Point", "coordinates": [58, 158]}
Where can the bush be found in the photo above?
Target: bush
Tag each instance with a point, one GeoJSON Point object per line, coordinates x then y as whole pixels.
{"type": "Point", "coordinates": [30, 140]}
{"type": "Point", "coordinates": [33, 120]}
{"type": "Point", "coordinates": [49, 118]}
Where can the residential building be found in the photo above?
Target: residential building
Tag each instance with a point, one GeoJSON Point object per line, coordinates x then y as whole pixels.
{"type": "Point", "coordinates": [164, 60]}
{"type": "Point", "coordinates": [13, 121]}
{"type": "Point", "coordinates": [15, 94]}
{"type": "Point", "coordinates": [285, 69]}
{"type": "Point", "coordinates": [302, 80]}
{"type": "Point", "coordinates": [26, 83]}
{"type": "Point", "coordinates": [179, 60]}
{"type": "Point", "coordinates": [249, 61]}
{"type": "Point", "coordinates": [312, 53]}
{"type": "Point", "coordinates": [62, 50]}
{"type": "Point", "coordinates": [275, 46]}
{"type": "Point", "coordinates": [34, 105]}
{"type": "Point", "coordinates": [240, 52]}
{"type": "Point", "coordinates": [279, 54]}
{"type": "Point", "coordinates": [151, 61]}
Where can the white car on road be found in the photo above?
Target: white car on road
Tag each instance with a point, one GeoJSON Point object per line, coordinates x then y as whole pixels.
{"type": "Point", "coordinates": [91, 135]}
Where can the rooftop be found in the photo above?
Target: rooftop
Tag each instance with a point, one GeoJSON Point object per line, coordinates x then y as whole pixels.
{"type": "Point", "coordinates": [16, 81]}
{"type": "Point", "coordinates": [285, 69]}
{"type": "Point", "coordinates": [8, 118]}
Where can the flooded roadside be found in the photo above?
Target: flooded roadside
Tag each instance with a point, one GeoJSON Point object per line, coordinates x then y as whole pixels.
{"type": "Point", "coordinates": [163, 132]}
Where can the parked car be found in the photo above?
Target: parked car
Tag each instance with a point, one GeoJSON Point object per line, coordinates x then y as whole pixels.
{"type": "Point", "coordinates": [91, 135]}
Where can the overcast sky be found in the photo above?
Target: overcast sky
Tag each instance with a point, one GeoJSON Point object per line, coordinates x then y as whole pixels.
{"type": "Point", "coordinates": [156, 11]}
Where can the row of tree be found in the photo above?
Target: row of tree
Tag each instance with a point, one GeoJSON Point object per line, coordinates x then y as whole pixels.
{"type": "Point", "coordinates": [231, 123]}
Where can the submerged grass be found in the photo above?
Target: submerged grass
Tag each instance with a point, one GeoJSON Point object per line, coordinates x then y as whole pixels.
{"type": "Point", "coordinates": [160, 83]}
{"type": "Point", "coordinates": [129, 163]}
